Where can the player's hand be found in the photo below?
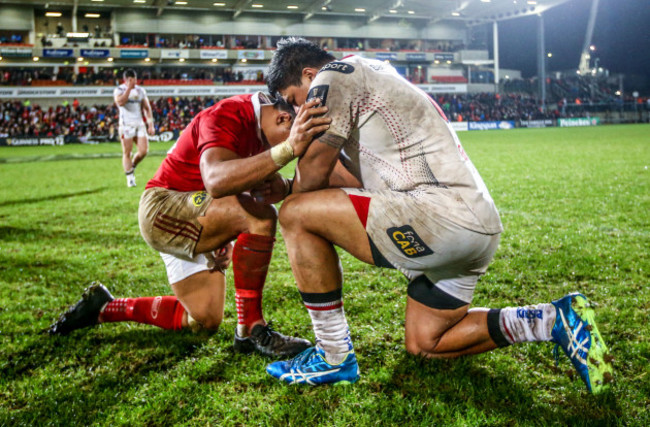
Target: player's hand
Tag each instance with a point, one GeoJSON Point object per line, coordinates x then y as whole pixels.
{"type": "Point", "coordinates": [223, 256]}
{"type": "Point", "coordinates": [130, 83]}
{"type": "Point", "coordinates": [271, 191]}
{"type": "Point", "coordinates": [307, 124]}
{"type": "Point", "coordinates": [150, 130]}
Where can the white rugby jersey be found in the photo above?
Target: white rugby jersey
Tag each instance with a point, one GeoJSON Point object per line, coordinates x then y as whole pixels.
{"type": "Point", "coordinates": [131, 112]}
{"type": "Point", "coordinates": [398, 139]}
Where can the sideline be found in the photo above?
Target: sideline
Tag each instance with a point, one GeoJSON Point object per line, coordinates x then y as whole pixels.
{"type": "Point", "coordinates": [71, 156]}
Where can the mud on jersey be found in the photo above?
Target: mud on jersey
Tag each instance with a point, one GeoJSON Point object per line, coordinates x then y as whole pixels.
{"type": "Point", "coordinates": [131, 112]}
{"type": "Point", "coordinates": [397, 138]}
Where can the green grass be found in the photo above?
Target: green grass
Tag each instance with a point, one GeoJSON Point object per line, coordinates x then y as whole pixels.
{"type": "Point", "coordinates": [575, 204]}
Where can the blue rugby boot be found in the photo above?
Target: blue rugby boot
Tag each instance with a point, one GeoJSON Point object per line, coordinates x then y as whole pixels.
{"type": "Point", "coordinates": [310, 367]}
{"type": "Point", "coordinates": [576, 332]}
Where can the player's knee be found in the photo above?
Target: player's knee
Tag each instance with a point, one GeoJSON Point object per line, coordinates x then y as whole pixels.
{"type": "Point", "coordinates": [206, 318]}
{"type": "Point", "coordinates": [421, 342]}
{"type": "Point", "coordinates": [290, 212]}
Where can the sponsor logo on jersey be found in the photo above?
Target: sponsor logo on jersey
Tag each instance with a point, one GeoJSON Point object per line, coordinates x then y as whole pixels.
{"type": "Point", "coordinates": [408, 241]}
{"type": "Point", "coordinates": [155, 307]}
{"type": "Point", "coordinates": [198, 198]}
{"type": "Point", "coordinates": [530, 315]}
{"type": "Point", "coordinates": [319, 91]}
{"type": "Point", "coordinates": [341, 67]}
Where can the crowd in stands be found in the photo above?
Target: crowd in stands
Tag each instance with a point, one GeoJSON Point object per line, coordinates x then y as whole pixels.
{"type": "Point", "coordinates": [23, 119]}
{"type": "Point", "coordinates": [490, 106]}
{"type": "Point", "coordinates": [18, 118]}
{"type": "Point", "coordinates": [112, 76]}
{"type": "Point", "coordinates": [567, 89]}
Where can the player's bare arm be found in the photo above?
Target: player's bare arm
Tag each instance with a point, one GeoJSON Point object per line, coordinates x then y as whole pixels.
{"type": "Point", "coordinates": [272, 190]}
{"type": "Point", "coordinates": [342, 178]}
{"type": "Point", "coordinates": [148, 115]}
{"type": "Point", "coordinates": [316, 166]}
{"type": "Point", "coordinates": [122, 99]}
{"type": "Point", "coordinates": [224, 173]}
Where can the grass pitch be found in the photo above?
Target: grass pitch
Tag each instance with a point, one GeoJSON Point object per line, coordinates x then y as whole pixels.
{"type": "Point", "coordinates": [575, 204]}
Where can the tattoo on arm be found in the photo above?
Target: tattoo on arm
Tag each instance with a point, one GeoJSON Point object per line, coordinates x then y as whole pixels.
{"type": "Point", "coordinates": [332, 140]}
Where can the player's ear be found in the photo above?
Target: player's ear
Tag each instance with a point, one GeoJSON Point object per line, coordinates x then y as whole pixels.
{"type": "Point", "coordinates": [282, 117]}
{"type": "Point", "coordinates": [309, 73]}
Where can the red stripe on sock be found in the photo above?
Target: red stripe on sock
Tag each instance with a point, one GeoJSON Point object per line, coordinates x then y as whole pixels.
{"type": "Point", "coordinates": [325, 307]}
{"type": "Point", "coordinates": [505, 328]}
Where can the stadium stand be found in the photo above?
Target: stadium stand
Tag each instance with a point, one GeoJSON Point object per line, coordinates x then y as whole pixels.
{"type": "Point", "coordinates": [174, 113]}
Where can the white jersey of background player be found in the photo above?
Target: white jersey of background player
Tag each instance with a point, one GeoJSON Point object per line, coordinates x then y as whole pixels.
{"type": "Point", "coordinates": [132, 101]}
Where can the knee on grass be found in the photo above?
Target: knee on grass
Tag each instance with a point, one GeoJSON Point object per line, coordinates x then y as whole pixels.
{"type": "Point", "coordinates": [422, 343]}
{"type": "Point", "coordinates": [204, 319]}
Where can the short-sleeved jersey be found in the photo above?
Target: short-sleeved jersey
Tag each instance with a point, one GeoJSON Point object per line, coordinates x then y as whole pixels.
{"type": "Point", "coordinates": [232, 123]}
{"type": "Point", "coordinates": [131, 112]}
{"type": "Point", "coordinates": [397, 138]}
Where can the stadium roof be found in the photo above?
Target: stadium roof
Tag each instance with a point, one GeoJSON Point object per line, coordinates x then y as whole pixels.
{"type": "Point", "coordinates": [471, 11]}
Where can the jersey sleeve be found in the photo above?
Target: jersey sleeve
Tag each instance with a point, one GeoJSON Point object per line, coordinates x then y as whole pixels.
{"type": "Point", "coordinates": [117, 91]}
{"type": "Point", "coordinates": [339, 85]}
{"type": "Point", "coordinates": [220, 129]}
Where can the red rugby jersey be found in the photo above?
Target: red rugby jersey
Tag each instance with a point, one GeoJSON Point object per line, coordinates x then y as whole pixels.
{"type": "Point", "coordinates": [231, 123]}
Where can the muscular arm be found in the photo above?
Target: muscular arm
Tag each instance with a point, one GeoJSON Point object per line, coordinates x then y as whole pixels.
{"type": "Point", "coordinates": [314, 169]}
{"type": "Point", "coordinates": [122, 99]}
{"type": "Point", "coordinates": [148, 114]}
{"type": "Point", "coordinates": [224, 173]}
{"type": "Point", "coordinates": [341, 177]}
{"type": "Point", "coordinates": [146, 107]}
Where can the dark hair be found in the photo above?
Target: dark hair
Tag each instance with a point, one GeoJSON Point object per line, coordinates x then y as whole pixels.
{"type": "Point", "coordinates": [281, 105]}
{"type": "Point", "coordinates": [129, 72]}
{"type": "Point", "coordinates": [294, 54]}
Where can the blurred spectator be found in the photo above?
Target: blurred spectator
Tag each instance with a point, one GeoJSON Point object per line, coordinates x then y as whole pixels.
{"type": "Point", "coordinates": [24, 119]}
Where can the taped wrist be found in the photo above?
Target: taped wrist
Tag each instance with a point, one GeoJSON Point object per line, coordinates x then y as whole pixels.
{"type": "Point", "coordinates": [282, 153]}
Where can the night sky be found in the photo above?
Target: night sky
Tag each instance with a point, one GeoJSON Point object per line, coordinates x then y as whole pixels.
{"type": "Point", "coordinates": [621, 37]}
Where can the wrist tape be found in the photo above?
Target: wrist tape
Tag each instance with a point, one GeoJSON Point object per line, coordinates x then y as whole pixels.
{"type": "Point", "coordinates": [282, 153]}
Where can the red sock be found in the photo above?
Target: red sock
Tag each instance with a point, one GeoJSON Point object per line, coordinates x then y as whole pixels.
{"type": "Point", "coordinates": [165, 312]}
{"type": "Point", "coordinates": [250, 260]}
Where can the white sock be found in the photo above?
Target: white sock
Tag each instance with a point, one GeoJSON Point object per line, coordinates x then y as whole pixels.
{"type": "Point", "coordinates": [528, 323]}
{"type": "Point", "coordinates": [130, 178]}
{"type": "Point", "coordinates": [330, 326]}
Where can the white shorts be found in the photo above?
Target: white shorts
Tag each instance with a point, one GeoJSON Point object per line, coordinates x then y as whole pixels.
{"type": "Point", "coordinates": [128, 131]}
{"type": "Point", "coordinates": [405, 234]}
{"type": "Point", "coordinates": [179, 269]}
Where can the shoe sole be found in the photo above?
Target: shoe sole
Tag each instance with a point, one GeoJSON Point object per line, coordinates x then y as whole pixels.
{"type": "Point", "coordinates": [337, 383]}
{"type": "Point", "coordinates": [599, 359]}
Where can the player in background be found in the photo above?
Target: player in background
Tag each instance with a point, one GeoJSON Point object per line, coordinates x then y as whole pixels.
{"type": "Point", "coordinates": [132, 101]}
{"type": "Point", "coordinates": [422, 208]}
{"type": "Point", "coordinates": [196, 204]}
